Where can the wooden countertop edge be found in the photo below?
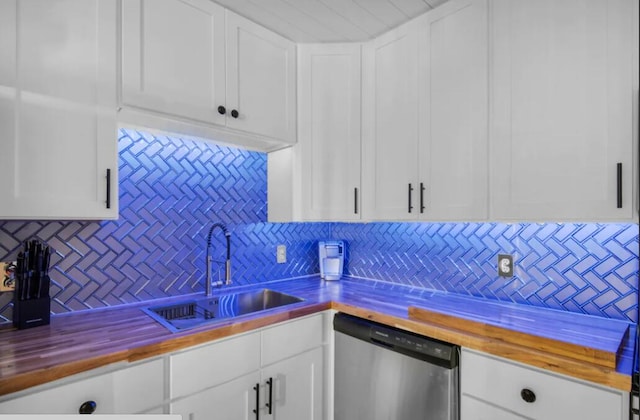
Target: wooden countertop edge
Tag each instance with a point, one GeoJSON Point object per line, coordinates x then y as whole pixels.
{"type": "Point", "coordinates": [541, 359]}
{"type": "Point", "coordinates": [173, 342]}
{"type": "Point", "coordinates": [37, 377]}
{"type": "Point", "coordinates": [151, 348]}
{"type": "Point", "coordinates": [543, 344]}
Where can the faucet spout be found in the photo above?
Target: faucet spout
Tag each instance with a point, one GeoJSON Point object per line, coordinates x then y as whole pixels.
{"type": "Point", "coordinates": [227, 264]}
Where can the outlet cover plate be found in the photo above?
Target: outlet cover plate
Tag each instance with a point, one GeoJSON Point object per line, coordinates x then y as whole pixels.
{"type": "Point", "coordinates": [505, 265]}
{"type": "Point", "coordinates": [281, 254]}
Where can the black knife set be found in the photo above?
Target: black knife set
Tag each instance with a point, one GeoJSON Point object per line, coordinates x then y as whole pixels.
{"type": "Point", "coordinates": [31, 302]}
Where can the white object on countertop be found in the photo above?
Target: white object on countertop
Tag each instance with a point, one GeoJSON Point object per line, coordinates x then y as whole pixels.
{"type": "Point", "coordinates": [331, 259]}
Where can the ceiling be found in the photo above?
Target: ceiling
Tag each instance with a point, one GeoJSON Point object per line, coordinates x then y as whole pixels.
{"type": "Point", "coordinates": [308, 21]}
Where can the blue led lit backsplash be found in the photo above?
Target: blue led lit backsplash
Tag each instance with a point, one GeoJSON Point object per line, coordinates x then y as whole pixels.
{"type": "Point", "coordinates": [588, 268]}
{"type": "Point", "coordinates": [171, 190]}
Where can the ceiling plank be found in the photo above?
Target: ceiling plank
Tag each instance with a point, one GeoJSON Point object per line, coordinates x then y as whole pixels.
{"type": "Point", "coordinates": [435, 3]}
{"type": "Point", "coordinates": [384, 10]}
{"type": "Point", "coordinates": [269, 20]}
{"type": "Point", "coordinates": [359, 16]}
{"type": "Point", "coordinates": [411, 8]}
{"type": "Point", "coordinates": [328, 17]}
{"type": "Point", "coordinates": [298, 19]}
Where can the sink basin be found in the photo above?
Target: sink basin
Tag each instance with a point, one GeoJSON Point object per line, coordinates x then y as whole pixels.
{"type": "Point", "coordinates": [196, 312]}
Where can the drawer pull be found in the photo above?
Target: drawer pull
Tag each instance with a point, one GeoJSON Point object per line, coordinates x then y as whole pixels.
{"type": "Point", "coordinates": [87, 407]}
{"type": "Point", "coordinates": [528, 395]}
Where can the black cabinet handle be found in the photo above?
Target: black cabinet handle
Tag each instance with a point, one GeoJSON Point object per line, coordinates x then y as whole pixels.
{"type": "Point", "coordinates": [422, 197]}
{"type": "Point", "coordinates": [355, 200]}
{"type": "Point", "coordinates": [257, 409]}
{"type": "Point", "coordinates": [528, 395]}
{"type": "Point", "coordinates": [619, 184]}
{"type": "Point", "coordinates": [234, 113]}
{"type": "Point", "coordinates": [108, 201]}
{"type": "Point", "coordinates": [87, 407]}
{"type": "Point", "coordinates": [222, 110]}
{"type": "Point", "coordinates": [410, 194]}
{"type": "Point", "coordinates": [270, 383]}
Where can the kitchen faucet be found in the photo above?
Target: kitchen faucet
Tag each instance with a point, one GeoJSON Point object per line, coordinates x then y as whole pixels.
{"type": "Point", "coordinates": [227, 264]}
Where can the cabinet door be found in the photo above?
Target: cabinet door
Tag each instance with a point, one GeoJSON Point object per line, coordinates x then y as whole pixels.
{"type": "Point", "coordinates": [57, 109]}
{"type": "Point", "coordinates": [562, 109]}
{"type": "Point", "coordinates": [329, 131]}
{"type": "Point", "coordinates": [453, 156]}
{"type": "Point", "coordinates": [392, 124]}
{"type": "Point", "coordinates": [230, 401]}
{"type": "Point", "coordinates": [297, 385]}
{"type": "Point", "coordinates": [261, 80]}
{"type": "Point", "coordinates": [173, 57]}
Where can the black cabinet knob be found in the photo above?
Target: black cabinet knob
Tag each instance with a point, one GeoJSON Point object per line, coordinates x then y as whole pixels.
{"type": "Point", "coordinates": [234, 113]}
{"type": "Point", "coordinates": [222, 110]}
{"type": "Point", "coordinates": [87, 407]}
{"type": "Point", "coordinates": [528, 395]}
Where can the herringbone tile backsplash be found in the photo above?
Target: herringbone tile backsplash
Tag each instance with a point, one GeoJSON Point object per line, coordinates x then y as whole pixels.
{"type": "Point", "coordinates": [172, 190]}
{"type": "Point", "coordinates": [587, 268]}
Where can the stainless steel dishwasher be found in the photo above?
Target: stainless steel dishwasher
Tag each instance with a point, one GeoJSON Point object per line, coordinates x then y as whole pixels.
{"type": "Point", "coordinates": [383, 373]}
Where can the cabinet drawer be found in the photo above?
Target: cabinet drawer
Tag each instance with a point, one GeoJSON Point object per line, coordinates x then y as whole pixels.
{"type": "Point", "coordinates": [291, 338]}
{"type": "Point", "coordinates": [501, 382]}
{"type": "Point", "coordinates": [65, 398]}
{"type": "Point", "coordinates": [199, 368]}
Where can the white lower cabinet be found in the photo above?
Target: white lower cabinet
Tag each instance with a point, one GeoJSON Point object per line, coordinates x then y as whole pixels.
{"type": "Point", "coordinates": [294, 387]}
{"type": "Point", "coordinates": [230, 401]}
{"type": "Point", "coordinates": [493, 388]}
{"type": "Point", "coordinates": [135, 389]}
{"type": "Point", "coordinates": [277, 371]}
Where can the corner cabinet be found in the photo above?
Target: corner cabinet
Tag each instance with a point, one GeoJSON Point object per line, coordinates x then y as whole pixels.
{"type": "Point", "coordinates": [58, 129]}
{"type": "Point", "coordinates": [193, 67]}
{"type": "Point", "coordinates": [425, 117]}
{"type": "Point", "coordinates": [562, 99]}
{"type": "Point", "coordinates": [319, 178]}
{"type": "Point", "coordinates": [493, 388]}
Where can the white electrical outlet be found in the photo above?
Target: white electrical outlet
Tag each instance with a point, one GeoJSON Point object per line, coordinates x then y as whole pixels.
{"type": "Point", "coordinates": [281, 254]}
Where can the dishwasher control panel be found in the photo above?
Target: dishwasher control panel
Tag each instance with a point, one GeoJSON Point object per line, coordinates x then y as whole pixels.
{"type": "Point", "coordinates": [425, 348]}
{"type": "Point", "coordinates": [408, 341]}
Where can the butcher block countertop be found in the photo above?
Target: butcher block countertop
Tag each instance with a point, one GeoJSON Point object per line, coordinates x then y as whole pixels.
{"type": "Point", "coordinates": [590, 348]}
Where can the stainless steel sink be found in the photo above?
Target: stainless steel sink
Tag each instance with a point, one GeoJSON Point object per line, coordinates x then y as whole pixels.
{"type": "Point", "coordinates": [196, 312]}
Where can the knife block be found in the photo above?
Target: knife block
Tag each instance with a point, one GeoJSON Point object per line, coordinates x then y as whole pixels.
{"type": "Point", "coordinates": [31, 313]}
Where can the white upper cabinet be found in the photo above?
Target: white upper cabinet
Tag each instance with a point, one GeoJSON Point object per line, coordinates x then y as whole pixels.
{"type": "Point", "coordinates": [261, 80]}
{"type": "Point", "coordinates": [323, 169]}
{"type": "Point", "coordinates": [562, 103]}
{"type": "Point", "coordinates": [453, 153]}
{"type": "Point", "coordinates": [425, 117]}
{"type": "Point", "coordinates": [391, 123]}
{"type": "Point", "coordinates": [173, 57]}
{"type": "Point", "coordinates": [195, 68]}
{"type": "Point", "coordinates": [57, 109]}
